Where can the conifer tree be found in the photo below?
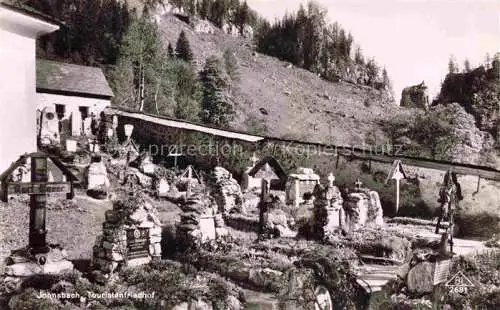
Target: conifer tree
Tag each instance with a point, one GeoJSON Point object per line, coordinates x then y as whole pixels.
{"type": "Point", "coordinates": [452, 65]}
{"type": "Point", "coordinates": [467, 66]}
{"type": "Point", "coordinates": [183, 49]}
{"type": "Point", "coordinates": [170, 50]}
{"type": "Point", "coordinates": [242, 16]}
{"type": "Point", "coordinates": [215, 106]}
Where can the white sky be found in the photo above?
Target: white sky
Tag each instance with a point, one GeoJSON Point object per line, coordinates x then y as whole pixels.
{"type": "Point", "coordinates": [412, 38]}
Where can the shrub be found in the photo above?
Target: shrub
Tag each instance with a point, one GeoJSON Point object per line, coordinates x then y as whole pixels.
{"type": "Point", "coordinates": [482, 225]}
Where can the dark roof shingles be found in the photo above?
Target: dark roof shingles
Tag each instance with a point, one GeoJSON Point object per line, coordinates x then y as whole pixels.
{"type": "Point", "coordinates": [63, 77]}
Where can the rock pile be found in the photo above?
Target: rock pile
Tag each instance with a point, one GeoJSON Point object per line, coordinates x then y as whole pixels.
{"type": "Point", "coordinates": [131, 236]}
{"type": "Point", "coordinates": [363, 208]}
{"type": "Point", "coordinates": [21, 264]}
{"type": "Point", "coordinates": [328, 211]}
{"type": "Point", "coordinates": [226, 191]}
{"type": "Point", "coordinates": [200, 222]}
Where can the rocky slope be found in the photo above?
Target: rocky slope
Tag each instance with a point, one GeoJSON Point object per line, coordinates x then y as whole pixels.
{"type": "Point", "coordinates": [277, 99]}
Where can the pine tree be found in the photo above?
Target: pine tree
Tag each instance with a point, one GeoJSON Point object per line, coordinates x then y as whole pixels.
{"type": "Point", "coordinates": [204, 10]}
{"type": "Point", "coordinates": [170, 50]}
{"type": "Point", "coordinates": [452, 65]}
{"type": "Point", "coordinates": [186, 95]}
{"type": "Point", "coordinates": [219, 12]}
{"type": "Point", "coordinates": [372, 71]}
{"type": "Point", "coordinates": [467, 66]}
{"type": "Point", "coordinates": [242, 16]}
{"type": "Point", "coordinates": [358, 57]}
{"type": "Point", "coordinates": [215, 106]}
{"type": "Point", "coordinates": [183, 49]}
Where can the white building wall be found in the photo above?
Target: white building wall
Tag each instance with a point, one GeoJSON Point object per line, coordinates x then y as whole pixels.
{"type": "Point", "coordinates": [17, 97]}
{"type": "Point", "coordinates": [72, 104]}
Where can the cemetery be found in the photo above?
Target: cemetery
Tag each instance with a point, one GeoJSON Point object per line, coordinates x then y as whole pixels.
{"type": "Point", "coordinates": [107, 217]}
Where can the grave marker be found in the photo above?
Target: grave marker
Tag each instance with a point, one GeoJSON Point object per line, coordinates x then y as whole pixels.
{"type": "Point", "coordinates": [137, 243]}
{"type": "Point", "coordinates": [397, 173]}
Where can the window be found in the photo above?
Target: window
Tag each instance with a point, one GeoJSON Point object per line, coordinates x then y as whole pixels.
{"type": "Point", "coordinates": [84, 111]}
{"type": "Point", "coordinates": [60, 110]}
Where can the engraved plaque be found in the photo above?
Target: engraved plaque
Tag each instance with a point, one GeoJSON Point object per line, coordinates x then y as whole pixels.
{"type": "Point", "coordinates": [137, 243]}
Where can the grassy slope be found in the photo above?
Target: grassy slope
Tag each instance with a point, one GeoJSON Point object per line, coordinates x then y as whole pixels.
{"type": "Point", "coordinates": [294, 98]}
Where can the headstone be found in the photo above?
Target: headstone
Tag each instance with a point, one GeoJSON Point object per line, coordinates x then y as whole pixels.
{"type": "Point", "coordinates": [131, 237]}
{"type": "Point", "coordinates": [70, 145]}
{"type": "Point", "coordinates": [128, 128]}
{"type": "Point", "coordinates": [87, 131]}
{"type": "Point", "coordinates": [97, 178]}
{"type": "Point", "coordinates": [115, 122]}
{"type": "Point", "coordinates": [76, 123]}
{"type": "Point", "coordinates": [301, 184]}
{"type": "Point", "coordinates": [163, 188]}
{"type": "Point", "coordinates": [49, 127]}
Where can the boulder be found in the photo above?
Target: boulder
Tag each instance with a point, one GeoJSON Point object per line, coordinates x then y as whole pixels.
{"type": "Point", "coordinates": [420, 278]}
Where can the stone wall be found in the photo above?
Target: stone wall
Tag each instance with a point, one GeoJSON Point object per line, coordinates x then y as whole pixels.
{"type": "Point", "coordinates": [321, 159]}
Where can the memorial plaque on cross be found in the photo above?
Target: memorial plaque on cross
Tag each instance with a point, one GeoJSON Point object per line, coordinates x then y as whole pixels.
{"type": "Point", "coordinates": [38, 189]}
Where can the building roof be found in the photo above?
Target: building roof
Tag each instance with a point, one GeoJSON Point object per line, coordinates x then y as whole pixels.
{"type": "Point", "coordinates": [68, 79]}
{"type": "Point", "coordinates": [18, 6]}
{"type": "Point", "coordinates": [174, 123]}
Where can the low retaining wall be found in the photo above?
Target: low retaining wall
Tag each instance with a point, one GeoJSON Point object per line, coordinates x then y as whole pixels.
{"type": "Point", "coordinates": [242, 223]}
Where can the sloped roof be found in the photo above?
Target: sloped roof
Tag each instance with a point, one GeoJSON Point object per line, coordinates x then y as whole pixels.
{"type": "Point", "coordinates": [273, 163]}
{"type": "Point", "coordinates": [20, 7]}
{"type": "Point", "coordinates": [62, 78]}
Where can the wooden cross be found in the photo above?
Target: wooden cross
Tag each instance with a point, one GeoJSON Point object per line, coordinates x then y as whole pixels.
{"type": "Point", "coordinates": [358, 183]}
{"type": "Point", "coordinates": [38, 189]}
{"type": "Point", "coordinates": [175, 155]}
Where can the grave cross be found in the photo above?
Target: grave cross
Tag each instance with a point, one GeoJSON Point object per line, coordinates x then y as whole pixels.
{"type": "Point", "coordinates": [254, 159]}
{"type": "Point", "coordinates": [397, 173]}
{"type": "Point", "coordinates": [358, 183]}
{"type": "Point", "coordinates": [38, 189]}
{"type": "Point", "coordinates": [175, 154]}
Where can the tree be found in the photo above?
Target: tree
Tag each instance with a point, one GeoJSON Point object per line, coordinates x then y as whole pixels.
{"type": "Point", "coordinates": [452, 65]}
{"type": "Point", "coordinates": [358, 56]}
{"type": "Point", "coordinates": [242, 16]}
{"type": "Point", "coordinates": [219, 12]}
{"type": "Point", "coordinates": [141, 50]}
{"type": "Point", "coordinates": [467, 66]}
{"type": "Point", "coordinates": [183, 49]}
{"type": "Point", "coordinates": [215, 106]}
{"type": "Point", "coordinates": [372, 71]}
{"type": "Point", "coordinates": [185, 87]}
{"type": "Point", "coordinates": [170, 50]}
{"type": "Point", "coordinates": [204, 9]}
{"type": "Point", "coordinates": [433, 133]}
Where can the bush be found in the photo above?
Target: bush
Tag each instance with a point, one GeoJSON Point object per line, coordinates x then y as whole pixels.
{"type": "Point", "coordinates": [482, 225]}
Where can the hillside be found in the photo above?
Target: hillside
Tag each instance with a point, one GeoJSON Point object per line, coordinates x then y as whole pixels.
{"type": "Point", "coordinates": [278, 99]}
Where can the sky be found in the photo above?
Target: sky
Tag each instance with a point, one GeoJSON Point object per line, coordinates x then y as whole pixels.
{"type": "Point", "coordinates": [413, 39]}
